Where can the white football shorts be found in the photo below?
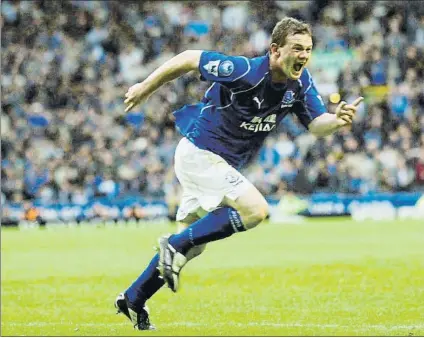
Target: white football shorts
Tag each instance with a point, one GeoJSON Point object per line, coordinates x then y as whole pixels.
{"type": "Point", "coordinates": [206, 178]}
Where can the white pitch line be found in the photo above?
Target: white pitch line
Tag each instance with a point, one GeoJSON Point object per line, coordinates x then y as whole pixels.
{"type": "Point", "coordinates": [230, 324]}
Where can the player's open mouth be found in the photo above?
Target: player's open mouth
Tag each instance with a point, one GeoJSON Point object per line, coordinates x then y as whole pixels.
{"type": "Point", "coordinates": [298, 66]}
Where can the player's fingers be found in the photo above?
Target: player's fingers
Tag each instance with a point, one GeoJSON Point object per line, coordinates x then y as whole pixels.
{"type": "Point", "coordinates": [129, 107]}
{"type": "Point", "coordinates": [347, 119]}
{"type": "Point", "coordinates": [342, 104]}
{"type": "Point", "coordinates": [347, 112]}
{"type": "Point", "coordinates": [131, 104]}
{"type": "Point", "coordinates": [340, 107]}
{"type": "Point", "coordinates": [350, 107]}
{"type": "Point", "coordinates": [347, 115]}
{"type": "Point", "coordinates": [357, 101]}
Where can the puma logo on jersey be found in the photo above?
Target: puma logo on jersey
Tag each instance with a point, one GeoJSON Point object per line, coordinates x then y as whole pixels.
{"type": "Point", "coordinates": [260, 124]}
{"type": "Point", "coordinates": [258, 102]}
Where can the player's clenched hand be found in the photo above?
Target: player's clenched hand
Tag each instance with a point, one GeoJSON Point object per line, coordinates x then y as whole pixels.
{"type": "Point", "coordinates": [134, 96]}
{"type": "Point", "coordinates": [346, 112]}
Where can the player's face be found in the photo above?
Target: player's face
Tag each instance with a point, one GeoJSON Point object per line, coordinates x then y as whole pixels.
{"type": "Point", "coordinates": [292, 58]}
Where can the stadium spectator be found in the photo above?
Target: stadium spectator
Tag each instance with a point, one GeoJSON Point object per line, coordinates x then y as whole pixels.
{"type": "Point", "coordinates": [65, 137]}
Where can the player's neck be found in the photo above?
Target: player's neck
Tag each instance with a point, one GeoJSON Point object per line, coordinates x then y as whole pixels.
{"type": "Point", "coordinates": [277, 77]}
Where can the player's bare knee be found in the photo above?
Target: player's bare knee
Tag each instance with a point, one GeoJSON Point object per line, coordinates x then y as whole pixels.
{"type": "Point", "coordinates": [260, 213]}
{"type": "Point", "coordinates": [264, 211]}
{"type": "Point", "coordinates": [252, 208]}
{"type": "Point", "coordinates": [255, 215]}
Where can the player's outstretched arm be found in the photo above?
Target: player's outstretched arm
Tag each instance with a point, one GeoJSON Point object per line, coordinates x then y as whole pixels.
{"type": "Point", "coordinates": [170, 70]}
{"type": "Point", "coordinates": [327, 124]}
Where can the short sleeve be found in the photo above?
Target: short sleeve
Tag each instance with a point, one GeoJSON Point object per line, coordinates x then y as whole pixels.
{"type": "Point", "coordinates": [222, 68]}
{"type": "Point", "coordinates": [311, 104]}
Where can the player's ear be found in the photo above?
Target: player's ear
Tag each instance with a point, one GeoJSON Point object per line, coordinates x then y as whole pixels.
{"type": "Point", "coordinates": [274, 48]}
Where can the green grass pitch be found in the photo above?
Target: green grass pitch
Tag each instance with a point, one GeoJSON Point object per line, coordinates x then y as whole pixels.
{"type": "Point", "coordinates": [330, 277]}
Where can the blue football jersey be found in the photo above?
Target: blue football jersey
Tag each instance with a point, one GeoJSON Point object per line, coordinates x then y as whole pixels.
{"type": "Point", "coordinates": [243, 105]}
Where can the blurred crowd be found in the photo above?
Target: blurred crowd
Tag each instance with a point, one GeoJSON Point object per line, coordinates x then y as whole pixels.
{"type": "Point", "coordinates": [66, 66]}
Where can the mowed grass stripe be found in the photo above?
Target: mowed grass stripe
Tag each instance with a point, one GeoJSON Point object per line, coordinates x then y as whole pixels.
{"type": "Point", "coordinates": [191, 324]}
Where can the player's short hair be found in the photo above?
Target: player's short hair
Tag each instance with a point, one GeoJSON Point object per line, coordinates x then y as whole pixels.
{"type": "Point", "coordinates": [288, 26]}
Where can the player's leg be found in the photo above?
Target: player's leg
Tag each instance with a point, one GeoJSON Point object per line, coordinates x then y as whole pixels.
{"type": "Point", "coordinates": [251, 206]}
{"type": "Point", "coordinates": [132, 301]}
{"type": "Point", "coordinates": [215, 183]}
{"type": "Point", "coordinates": [184, 224]}
{"type": "Point", "coordinates": [238, 215]}
{"type": "Point", "coordinates": [234, 215]}
{"type": "Point", "coordinates": [149, 282]}
{"type": "Point", "coordinates": [178, 259]}
{"type": "Point", "coordinates": [194, 251]}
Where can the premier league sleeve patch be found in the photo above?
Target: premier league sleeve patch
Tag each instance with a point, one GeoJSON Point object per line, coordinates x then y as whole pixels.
{"type": "Point", "coordinates": [212, 67]}
{"type": "Point", "coordinates": [226, 68]}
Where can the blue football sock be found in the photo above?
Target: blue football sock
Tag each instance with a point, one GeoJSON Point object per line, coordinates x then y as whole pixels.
{"type": "Point", "coordinates": [145, 285]}
{"type": "Point", "coordinates": [218, 224]}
